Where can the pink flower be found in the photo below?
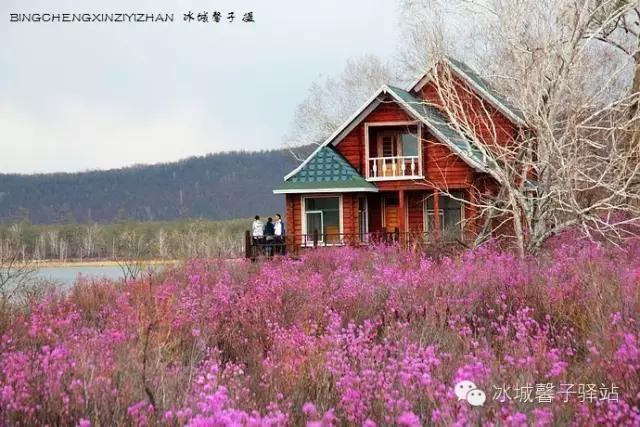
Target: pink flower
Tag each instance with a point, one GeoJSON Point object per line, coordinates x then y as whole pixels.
{"type": "Point", "coordinates": [409, 419]}
{"type": "Point", "coordinates": [309, 409]}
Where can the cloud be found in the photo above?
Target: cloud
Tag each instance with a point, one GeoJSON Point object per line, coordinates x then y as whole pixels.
{"type": "Point", "coordinates": [80, 96]}
{"type": "Point", "coordinates": [78, 135]}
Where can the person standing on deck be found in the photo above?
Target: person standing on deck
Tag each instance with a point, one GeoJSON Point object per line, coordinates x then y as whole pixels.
{"type": "Point", "coordinates": [280, 233]}
{"type": "Point", "coordinates": [257, 230]}
{"type": "Point", "coordinates": [269, 235]}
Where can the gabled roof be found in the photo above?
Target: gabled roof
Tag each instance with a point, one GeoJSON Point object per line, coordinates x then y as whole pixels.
{"type": "Point", "coordinates": [478, 84]}
{"type": "Point", "coordinates": [325, 171]}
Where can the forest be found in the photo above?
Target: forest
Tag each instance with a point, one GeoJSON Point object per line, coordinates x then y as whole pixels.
{"type": "Point", "coordinates": [216, 186]}
{"type": "Point", "coordinates": [157, 240]}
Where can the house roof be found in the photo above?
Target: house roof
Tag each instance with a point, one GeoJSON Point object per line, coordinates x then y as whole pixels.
{"type": "Point", "coordinates": [480, 85]}
{"type": "Point", "coordinates": [325, 171]}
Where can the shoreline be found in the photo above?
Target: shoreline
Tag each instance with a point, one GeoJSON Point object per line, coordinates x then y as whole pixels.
{"type": "Point", "coordinates": [96, 263]}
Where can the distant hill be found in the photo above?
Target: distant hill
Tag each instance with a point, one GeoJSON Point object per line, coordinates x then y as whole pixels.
{"type": "Point", "coordinates": [216, 186]}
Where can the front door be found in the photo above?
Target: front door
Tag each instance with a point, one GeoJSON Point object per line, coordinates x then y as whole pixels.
{"type": "Point", "coordinates": [391, 219]}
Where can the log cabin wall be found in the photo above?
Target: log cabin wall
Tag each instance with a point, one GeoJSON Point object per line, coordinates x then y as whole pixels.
{"type": "Point", "coordinates": [415, 211]}
{"type": "Point", "coordinates": [485, 118]}
{"type": "Point", "coordinates": [293, 224]}
{"type": "Point", "coordinates": [349, 213]}
{"type": "Point", "coordinates": [375, 212]}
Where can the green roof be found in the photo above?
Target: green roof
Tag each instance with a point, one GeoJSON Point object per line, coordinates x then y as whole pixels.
{"type": "Point", "coordinates": [326, 169]}
{"type": "Point", "coordinates": [485, 86]}
{"type": "Point", "coordinates": [432, 116]}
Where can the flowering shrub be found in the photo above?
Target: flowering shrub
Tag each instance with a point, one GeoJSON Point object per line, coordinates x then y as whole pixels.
{"type": "Point", "coordinates": [341, 336]}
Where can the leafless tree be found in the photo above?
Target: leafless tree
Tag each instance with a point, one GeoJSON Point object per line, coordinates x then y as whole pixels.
{"type": "Point", "coordinates": [89, 238]}
{"type": "Point", "coordinates": [130, 253]}
{"type": "Point", "coordinates": [162, 245]}
{"type": "Point", "coordinates": [331, 100]}
{"type": "Point", "coordinates": [16, 268]}
{"type": "Point", "coordinates": [575, 162]}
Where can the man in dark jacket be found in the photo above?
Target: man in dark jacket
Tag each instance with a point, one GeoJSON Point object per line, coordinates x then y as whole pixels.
{"type": "Point", "coordinates": [269, 235]}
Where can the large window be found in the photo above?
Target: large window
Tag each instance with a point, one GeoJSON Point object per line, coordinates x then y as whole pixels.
{"type": "Point", "coordinates": [322, 214]}
{"type": "Point", "coordinates": [450, 215]}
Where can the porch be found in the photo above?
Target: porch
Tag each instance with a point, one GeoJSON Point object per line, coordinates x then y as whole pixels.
{"type": "Point", "coordinates": [294, 245]}
{"type": "Point", "coordinates": [403, 217]}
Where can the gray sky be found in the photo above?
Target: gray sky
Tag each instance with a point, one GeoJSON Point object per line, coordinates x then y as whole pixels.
{"type": "Point", "coordinates": [78, 96]}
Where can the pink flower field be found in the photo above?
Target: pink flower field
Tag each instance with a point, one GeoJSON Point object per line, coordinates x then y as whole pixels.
{"type": "Point", "coordinates": [339, 337]}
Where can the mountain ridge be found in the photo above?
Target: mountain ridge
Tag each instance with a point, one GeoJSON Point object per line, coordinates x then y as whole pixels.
{"type": "Point", "coordinates": [225, 185]}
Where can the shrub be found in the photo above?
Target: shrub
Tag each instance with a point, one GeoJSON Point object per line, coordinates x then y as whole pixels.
{"type": "Point", "coordinates": [341, 336]}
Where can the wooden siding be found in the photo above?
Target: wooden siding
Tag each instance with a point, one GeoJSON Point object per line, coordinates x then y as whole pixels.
{"type": "Point", "coordinates": [375, 213]}
{"type": "Point", "coordinates": [490, 124]}
{"type": "Point", "coordinates": [293, 218]}
{"type": "Point", "coordinates": [349, 213]}
{"type": "Point", "coordinates": [444, 168]}
{"type": "Point", "coordinates": [415, 213]}
{"type": "Point", "coordinates": [351, 147]}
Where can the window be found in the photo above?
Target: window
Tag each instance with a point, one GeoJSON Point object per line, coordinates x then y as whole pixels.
{"type": "Point", "coordinates": [322, 214]}
{"type": "Point", "coordinates": [363, 217]}
{"type": "Point", "coordinates": [409, 144]}
{"type": "Point", "coordinates": [450, 215]}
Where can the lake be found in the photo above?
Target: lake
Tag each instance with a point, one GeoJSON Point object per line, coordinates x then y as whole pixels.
{"type": "Point", "coordinates": [66, 275]}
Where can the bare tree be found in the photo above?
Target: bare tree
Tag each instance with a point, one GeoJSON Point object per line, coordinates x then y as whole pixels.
{"type": "Point", "coordinates": [130, 253]}
{"type": "Point", "coordinates": [162, 244]}
{"type": "Point", "coordinates": [572, 164]}
{"type": "Point", "coordinates": [16, 269]}
{"type": "Point", "coordinates": [331, 100]}
{"type": "Point", "coordinates": [89, 238]}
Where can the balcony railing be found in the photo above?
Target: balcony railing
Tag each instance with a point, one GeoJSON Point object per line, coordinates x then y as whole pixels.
{"type": "Point", "coordinates": [398, 167]}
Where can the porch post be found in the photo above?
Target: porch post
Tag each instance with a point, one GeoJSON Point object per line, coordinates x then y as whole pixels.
{"type": "Point", "coordinates": [436, 214]}
{"type": "Point", "coordinates": [473, 220]}
{"type": "Point", "coordinates": [247, 244]}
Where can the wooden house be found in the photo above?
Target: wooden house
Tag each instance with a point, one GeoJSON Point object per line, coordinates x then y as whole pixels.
{"type": "Point", "coordinates": [388, 167]}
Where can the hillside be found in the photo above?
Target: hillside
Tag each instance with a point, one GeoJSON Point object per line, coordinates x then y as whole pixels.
{"type": "Point", "coordinates": [216, 186]}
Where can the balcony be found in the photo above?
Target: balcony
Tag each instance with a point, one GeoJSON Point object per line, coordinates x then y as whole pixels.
{"type": "Point", "coordinates": [394, 168]}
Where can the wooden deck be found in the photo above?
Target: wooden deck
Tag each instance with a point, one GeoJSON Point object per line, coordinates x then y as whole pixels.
{"type": "Point", "coordinates": [293, 245]}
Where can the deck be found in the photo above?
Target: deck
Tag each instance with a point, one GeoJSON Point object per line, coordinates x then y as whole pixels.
{"type": "Point", "coordinates": [293, 245]}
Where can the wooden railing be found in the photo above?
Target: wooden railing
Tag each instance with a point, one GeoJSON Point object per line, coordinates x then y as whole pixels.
{"type": "Point", "coordinates": [381, 168]}
{"type": "Point", "coordinates": [292, 245]}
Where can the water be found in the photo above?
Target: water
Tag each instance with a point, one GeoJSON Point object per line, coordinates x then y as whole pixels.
{"type": "Point", "coordinates": [67, 275]}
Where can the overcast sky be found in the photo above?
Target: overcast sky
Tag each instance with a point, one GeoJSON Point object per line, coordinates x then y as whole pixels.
{"type": "Point", "coordinates": [79, 96]}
